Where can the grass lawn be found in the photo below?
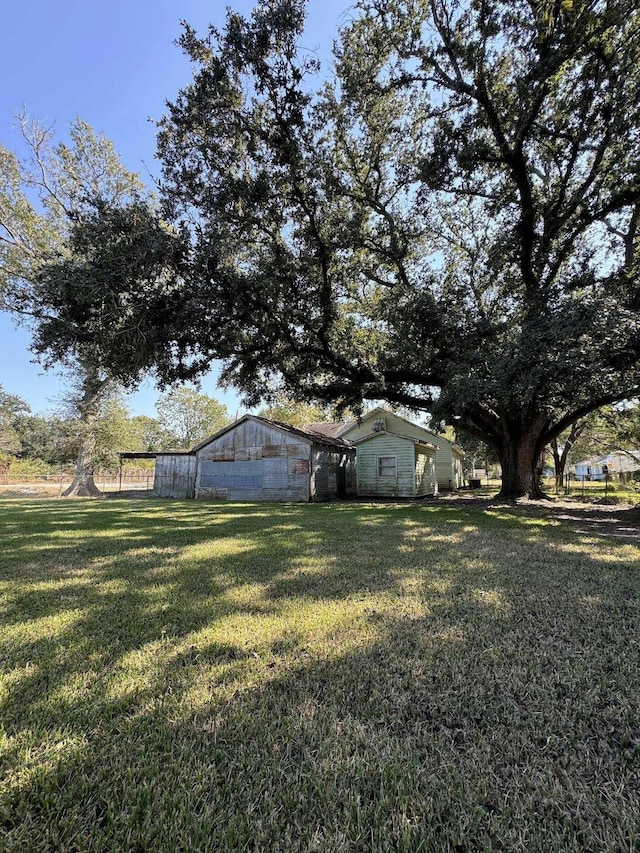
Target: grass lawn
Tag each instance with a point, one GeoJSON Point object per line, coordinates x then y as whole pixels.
{"type": "Point", "coordinates": [192, 676]}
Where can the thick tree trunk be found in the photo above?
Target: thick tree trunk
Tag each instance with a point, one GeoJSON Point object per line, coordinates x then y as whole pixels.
{"type": "Point", "coordinates": [519, 457]}
{"type": "Point", "coordinates": [83, 485]}
{"type": "Point", "coordinates": [93, 389]}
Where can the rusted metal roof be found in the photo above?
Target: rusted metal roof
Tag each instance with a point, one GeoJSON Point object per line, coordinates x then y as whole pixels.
{"type": "Point", "coordinates": [308, 433]}
{"type": "Point", "coordinates": [139, 454]}
{"type": "Point", "coordinates": [334, 429]}
{"type": "Point", "coordinates": [311, 432]}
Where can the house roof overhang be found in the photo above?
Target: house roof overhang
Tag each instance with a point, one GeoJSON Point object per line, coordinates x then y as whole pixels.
{"type": "Point", "coordinates": [412, 439]}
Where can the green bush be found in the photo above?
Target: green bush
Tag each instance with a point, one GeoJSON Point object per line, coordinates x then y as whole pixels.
{"type": "Point", "coordinates": [29, 468]}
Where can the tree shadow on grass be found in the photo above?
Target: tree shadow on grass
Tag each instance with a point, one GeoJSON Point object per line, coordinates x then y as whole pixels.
{"type": "Point", "coordinates": [335, 678]}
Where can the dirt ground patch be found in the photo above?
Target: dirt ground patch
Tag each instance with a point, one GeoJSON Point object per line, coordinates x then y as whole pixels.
{"type": "Point", "coordinates": [619, 521]}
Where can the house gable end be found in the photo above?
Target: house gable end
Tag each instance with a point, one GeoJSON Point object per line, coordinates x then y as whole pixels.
{"type": "Point", "coordinates": [394, 424]}
{"type": "Point", "coordinates": [248, 424]}
{"type": "Point", "coordinates": [396, 435]}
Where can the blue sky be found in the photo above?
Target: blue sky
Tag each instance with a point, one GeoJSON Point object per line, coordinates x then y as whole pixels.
{"type": "Point", "coordinates": [114, 65]}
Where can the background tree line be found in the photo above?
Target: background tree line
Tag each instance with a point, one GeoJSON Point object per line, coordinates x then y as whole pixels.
{"type": "Point", "coordinates": [183, 417]}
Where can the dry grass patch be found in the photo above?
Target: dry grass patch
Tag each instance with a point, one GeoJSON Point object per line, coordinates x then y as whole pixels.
{"type": "Point", "coordinates": [340, 677]}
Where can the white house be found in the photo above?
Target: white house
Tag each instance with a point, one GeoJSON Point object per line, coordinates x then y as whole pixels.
{"type": "Point", "coordinates": [448, 456]}
{"type": "Point", "coordinates": [615, 464]}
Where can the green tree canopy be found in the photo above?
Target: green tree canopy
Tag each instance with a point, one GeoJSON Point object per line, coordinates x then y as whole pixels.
{"type": "Point", "coordinates": [611, 429]}
{"type": "Point", "coordinates": [12, 410]}
{"type": "Point", "coordinates": [450, 223]}
{"type": "Point", "coordinates": [88, 264]}
{"type": "Point", "coordinates": [295, 412]}
{"type": "Point", "coordinates": [149, 435]}
{"type": "Point", "coordinates": [190, 416]}
{"type": "Point", "coordinates": [52, 438]}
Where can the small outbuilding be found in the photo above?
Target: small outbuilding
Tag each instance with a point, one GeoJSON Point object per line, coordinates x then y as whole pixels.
{"type": "Point", "coordinates": [256, 459]}
{"type": "Point", "coordinates": [175, 474]}
{"type": "Point", "coordinates": [174, 471]}
{"type": "Point", "coordinates": [395, 465]}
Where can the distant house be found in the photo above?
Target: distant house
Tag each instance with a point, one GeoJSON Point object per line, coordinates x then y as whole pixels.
{"type": "Point", "coordinates": [382, 435]}
{"type": "Point", "coordinates": [614, 464]}
{"type": "Point", "coordinates": [258, 459]}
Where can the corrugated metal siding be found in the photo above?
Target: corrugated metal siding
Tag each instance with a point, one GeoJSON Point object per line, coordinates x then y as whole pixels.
{"type": "Point", "coordinates": [325, 463]}
{"type": "Point", "coordinates": [370, 484]}
{"type": "Point", "coordinates": [351, 475]}
{"type": "Point", "coordinates": [254, 462]}
{"type": "Point", "coordinates": [323, 475]}
{"type": "Point", "coordinates": [253, 434]}
{"type": "Point", "coordinates": [255, 480]}
{"type": "Point", "coordinates": [174, 477]}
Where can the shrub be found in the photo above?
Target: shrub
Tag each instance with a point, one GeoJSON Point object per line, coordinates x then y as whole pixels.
{"type": "Point", "coordinates": [29, 468]}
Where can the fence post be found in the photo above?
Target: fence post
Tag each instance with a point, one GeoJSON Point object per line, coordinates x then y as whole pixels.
{"type": "Point", "coordinates": [583, 477]}
{"type": "Point", "coordinates": [606, 485]}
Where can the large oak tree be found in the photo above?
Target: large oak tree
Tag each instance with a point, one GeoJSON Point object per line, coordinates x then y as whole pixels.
{"type": "Point", "coordinates": [449, 223]}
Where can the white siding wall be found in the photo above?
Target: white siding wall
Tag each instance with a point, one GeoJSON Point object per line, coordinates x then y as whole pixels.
{"type": "Point", "coordinates": [369, 483]}
{"type": "Point", "coordinates": [448, 463]}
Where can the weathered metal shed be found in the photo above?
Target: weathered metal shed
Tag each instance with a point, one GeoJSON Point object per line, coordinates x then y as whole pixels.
{"type": "Point", "coordinates": [174, 472]}
{"type": "Point", "coordinates": [256, 459]}
{"type": "Point", "coordinates": [259, 459]}
{"type": "Point", "coordinates": [175, 475]}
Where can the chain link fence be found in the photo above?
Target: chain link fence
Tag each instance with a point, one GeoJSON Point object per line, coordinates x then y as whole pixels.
{"type": "Point", "coordinates": [54, 484]}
